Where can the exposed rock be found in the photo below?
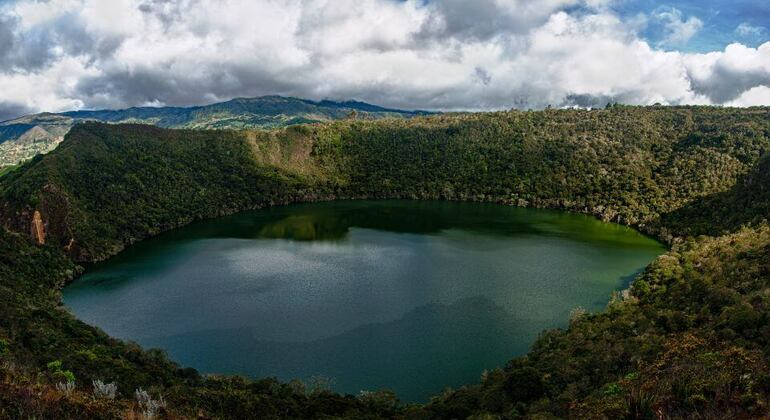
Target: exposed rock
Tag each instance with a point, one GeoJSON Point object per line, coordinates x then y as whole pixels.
{"type": "Point", "coordinates": [68, 247]}
{"type": "Point", "coordinates": [38, 228]}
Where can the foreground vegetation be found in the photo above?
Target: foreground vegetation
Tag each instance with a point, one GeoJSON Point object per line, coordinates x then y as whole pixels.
{"type": "Point", "coordinates": [689, 339]}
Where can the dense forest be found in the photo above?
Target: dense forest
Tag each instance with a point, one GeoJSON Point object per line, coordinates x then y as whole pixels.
{"type": "Point", "coordinates": [689, 339]}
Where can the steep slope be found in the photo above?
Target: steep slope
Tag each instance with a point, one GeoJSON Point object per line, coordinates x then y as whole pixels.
{"type": "Point", "coordinates": [690, 338]}
{"type": "Point", "coordinates": [747, 202]}
{"type": "Point", "coordinates": [25, 137]}
{"type": "Point", "coordinates": [108, 186]}
{"type": "Point", "coordinates": [103, 188]}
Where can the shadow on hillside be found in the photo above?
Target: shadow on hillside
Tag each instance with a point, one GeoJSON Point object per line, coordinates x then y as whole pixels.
{"type": "Point", "coordinates": [747, 202]}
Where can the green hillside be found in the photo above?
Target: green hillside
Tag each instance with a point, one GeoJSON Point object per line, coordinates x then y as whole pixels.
{"type": "Point", "coordinates": [690, 337]}
{"type": "Point", "coordinates": [23, 138]}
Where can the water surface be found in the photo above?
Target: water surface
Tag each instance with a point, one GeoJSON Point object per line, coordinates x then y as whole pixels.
{"type": "Point", "coordinates": [401, 295]}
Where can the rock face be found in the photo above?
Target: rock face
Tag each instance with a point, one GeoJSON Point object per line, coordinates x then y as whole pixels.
{"type": "Point", "coordinates": [46, 223]}
{"type": "Point", "coordinates": [38, 228]}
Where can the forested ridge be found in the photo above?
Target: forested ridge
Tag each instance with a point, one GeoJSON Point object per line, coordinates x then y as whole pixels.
{"type": "Point", "coordinates": [689, 339]}
{"type": "Point", "coordinates": [24, 137]}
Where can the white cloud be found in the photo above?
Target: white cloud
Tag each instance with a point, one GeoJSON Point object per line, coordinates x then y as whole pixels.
{"type": "Point", "coordinates": [756, 96]}
{"type": "Point", "coordinates": [724, 76]}
{"type": "Point", "coordinates": [34, 13]}
{"type": "Point", "coordinates": [54, 88]}
{"type": "Point", "coordinates": [594, 59]}
{"type": "Point", "coordinates": [447, 54]}
{"type": "Point", "coordinates": [678, 29]}
{"type": "Point", "coordinates": [746, 29]}
{"type": "Point", "coordinates": [333, 28]}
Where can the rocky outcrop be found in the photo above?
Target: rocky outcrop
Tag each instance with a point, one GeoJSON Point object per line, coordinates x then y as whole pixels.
{"type": "Point", "coordinates": [47, 223]}
{"type": "Point", "coordinates": [37, 228]}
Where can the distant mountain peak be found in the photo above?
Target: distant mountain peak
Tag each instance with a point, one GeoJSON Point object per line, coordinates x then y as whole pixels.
{"type": "Point", "coordinates": [263, 111]}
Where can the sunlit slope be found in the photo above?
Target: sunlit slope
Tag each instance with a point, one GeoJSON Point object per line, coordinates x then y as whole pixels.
{"type": "Point", "coordinates": [25, 137]}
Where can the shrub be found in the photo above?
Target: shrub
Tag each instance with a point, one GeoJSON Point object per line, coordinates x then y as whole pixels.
{"type": "Point", "coordinates": [576, 313]}
{"type": "Point", "coordinates": [148, 406]}
{"type": "Point", "coordinates": [56, 371]}
{"type": "Point", "coordinates": [104, 391]}
{"type": "Point", "coordinates": [524, 384]}
{"type": "Point", "coordinates": [67, 388]}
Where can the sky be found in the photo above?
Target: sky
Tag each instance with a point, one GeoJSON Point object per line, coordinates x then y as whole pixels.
{"type": "Point", "coordinates": [61, 55]}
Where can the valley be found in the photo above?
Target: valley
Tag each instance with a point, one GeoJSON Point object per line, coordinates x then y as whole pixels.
{"type": "Point", "coordinates": [690, 334]}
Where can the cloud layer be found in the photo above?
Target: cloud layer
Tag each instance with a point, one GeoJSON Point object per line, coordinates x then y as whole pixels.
{"type": "Point", "coordinates": [439, 54]}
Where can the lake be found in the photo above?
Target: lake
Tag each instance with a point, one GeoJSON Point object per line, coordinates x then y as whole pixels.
{"type": "Point", "coordinates": [412, 296]}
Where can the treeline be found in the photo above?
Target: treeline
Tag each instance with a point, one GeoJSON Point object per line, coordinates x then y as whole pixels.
{"type": "Point", "coordinates": [690, 337]}
{"type": "Point", "coordinates": [627, 164]}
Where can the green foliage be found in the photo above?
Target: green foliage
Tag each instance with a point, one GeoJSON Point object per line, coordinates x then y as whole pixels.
{"type": "Point", "coordinates": [109, 186]}
{"type": "Point", "coordinates": [56, 371]}
{"type": "Point", "coordinates": [7, 169]}
{"type": "Point", "coordinates": [694, 338]}
{"type": "Point", "coordinates": [691, 336]}
{"type": "Point", "coordinates": [54, 366]}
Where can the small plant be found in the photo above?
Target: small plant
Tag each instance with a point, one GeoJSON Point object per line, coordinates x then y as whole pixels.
{"type": "Point", "coordinates": [56, 371]}
{"type": "Point", "coordinates": [67, 388]}
{"type": "Point", "coordinates": [576, 314]}
{"type": "Point", "coordinates": [67, 375]}
{"type": "Point", "coordinates": [612, 389]}
{"type": "Point", "coordinates": [104, 391]}
{"type": "Point", "coordinates": [54, 365]}
{"type": "Point", "coordinates": [149, 407]}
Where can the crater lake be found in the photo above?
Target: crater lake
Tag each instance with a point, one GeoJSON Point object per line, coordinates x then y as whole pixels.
{"type": "Point", "coordinates": [410, 296]}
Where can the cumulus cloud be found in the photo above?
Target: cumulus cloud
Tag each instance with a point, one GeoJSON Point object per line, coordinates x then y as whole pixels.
{"type": "Point", "coordinates": [439, 54]}
{"type": "Point", "coordinates": [725, 76]}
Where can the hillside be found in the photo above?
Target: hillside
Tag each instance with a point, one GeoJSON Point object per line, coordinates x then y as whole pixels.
{"type": "Point", "coordinates": [629, 165]}
{"type": "Point", "coordinates": [23, 138]}
{"type": "Point", "coordinates": [689, 338]}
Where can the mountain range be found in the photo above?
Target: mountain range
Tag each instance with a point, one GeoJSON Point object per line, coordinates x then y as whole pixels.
{"type": "Point", "coordinates": [23, 138]}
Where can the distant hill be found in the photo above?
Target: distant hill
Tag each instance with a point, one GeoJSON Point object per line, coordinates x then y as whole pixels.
{"type": "Point", "coordinates": [23, 138]}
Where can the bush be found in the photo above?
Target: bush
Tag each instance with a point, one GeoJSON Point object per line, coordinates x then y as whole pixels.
{"type": "Point", "coordinates": [103, 390]}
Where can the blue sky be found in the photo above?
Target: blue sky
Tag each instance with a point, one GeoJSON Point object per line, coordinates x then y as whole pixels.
{"type": "Point", "coordinates": [720, 18]}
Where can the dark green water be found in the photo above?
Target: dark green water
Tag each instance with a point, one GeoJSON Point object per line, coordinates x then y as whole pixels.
{"type": "Point", "coordinates": [403, 295]}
